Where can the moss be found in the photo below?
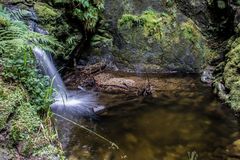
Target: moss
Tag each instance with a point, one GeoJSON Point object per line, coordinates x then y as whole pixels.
{"type": "Point", "coordinates": [161, 26]}
{"type": "Point", "coordinates": [190, 32]}
{"type": "Point", "coordinates": [25, 125]}
{"type": "Point", "coordinates": [231, 75]}
{"type": "Point", "coordinates": [4, 22]}
{"type": "Point", "coordinates": [153, 23]}
{"type": "Point", "coordinates": [10, 97]}
{"type": "Point", "coordinates": [32, 134]}
{"type": "Point", "coordinates": [46, 13]}
{"type": "Point", "coordinates": [172, 44]}
{"type": "Point", "coordinates": [211, 56]}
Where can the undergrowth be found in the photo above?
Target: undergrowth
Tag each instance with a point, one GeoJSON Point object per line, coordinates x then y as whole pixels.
{"type": "Point", "coordinates": [25, 96]}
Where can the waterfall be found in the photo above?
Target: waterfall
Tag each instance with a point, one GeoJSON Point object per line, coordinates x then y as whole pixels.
{"type": "Point", "coordinates": [48, 67]}
{"type": "Point", "coordinates": [73, 103]}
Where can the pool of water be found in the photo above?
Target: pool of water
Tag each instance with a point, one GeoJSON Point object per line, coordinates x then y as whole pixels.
{"type": "Point", "coordinates": [167, 126]}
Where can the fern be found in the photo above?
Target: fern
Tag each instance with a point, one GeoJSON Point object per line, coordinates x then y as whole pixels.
{"type": "Point", "coordinates": [17, 60]}
{"type": "Point", "coordinates": [16, 35]}
{"type": "Point", "coordinates": [87, 11]}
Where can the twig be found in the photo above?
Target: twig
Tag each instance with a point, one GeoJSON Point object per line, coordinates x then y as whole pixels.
{"type": "Point", "coordinates": [90, 131]}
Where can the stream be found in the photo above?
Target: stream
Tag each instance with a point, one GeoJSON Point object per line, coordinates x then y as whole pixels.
{"type": "Point", "coordinates": [181, 118]}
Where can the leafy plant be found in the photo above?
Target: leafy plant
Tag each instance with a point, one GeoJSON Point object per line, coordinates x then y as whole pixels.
{"type": "Point", "coordinates": [17, 59]}
{"type": "Point", "coordinates": [87, 11]}
{"type": "Point", "coordinates": [30, 97]}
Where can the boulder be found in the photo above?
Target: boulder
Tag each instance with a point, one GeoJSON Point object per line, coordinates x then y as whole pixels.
{"type": "Point", "coordinates": [147, 36]}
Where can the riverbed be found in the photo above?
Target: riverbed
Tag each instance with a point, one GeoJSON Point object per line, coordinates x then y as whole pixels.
{"type": "Point", "coordinates": [179, 119]}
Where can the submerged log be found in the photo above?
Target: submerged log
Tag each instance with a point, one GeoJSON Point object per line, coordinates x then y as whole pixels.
{"type": "Point", "coordinates": [108, 83]}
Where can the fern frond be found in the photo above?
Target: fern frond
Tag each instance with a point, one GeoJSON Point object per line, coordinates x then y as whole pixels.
{"type": "Point", "coordinates": [17, 35]}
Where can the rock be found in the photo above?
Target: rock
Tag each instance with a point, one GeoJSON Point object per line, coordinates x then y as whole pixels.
{"type": "Point", "coordinates": [6, 154]}
{"type": "Point", "coordinates": [99, 110]}
{"type": "Point", "coordinates": [160, 39]}
{"type": "Point", "coordinates": [24, 148]}
{"type": "Point", "coordinates": [207, 75]}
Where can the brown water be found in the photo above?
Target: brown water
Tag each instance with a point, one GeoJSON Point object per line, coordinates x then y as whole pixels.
{"type": "Point", "coordinates": [165, 127]}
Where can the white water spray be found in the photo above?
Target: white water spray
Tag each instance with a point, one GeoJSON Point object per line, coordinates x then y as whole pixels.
{"type": "Point", "coordinates": [47, 66]}
{"type": "Point", "coordinates": [72, 103]}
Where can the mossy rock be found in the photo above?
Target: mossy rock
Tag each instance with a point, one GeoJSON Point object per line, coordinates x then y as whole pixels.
{"type": "Point", "coordinates": [31, 135]}
{"type": "Point", "coordinates": [24, 124]}
{"type": "Point", "coordinates": [154, 35]}
{"type": "Point", "coordinates": [46, 13]}
{"type": "Point", "coordinates": [231, 75]}
{"type": "Point", "coordinates": [10, 98]}
{"type": "Point", "coordinates": [158, 38]}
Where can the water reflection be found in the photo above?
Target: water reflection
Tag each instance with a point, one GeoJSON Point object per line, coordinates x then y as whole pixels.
{"type": "Point", "coordinates": [165, 127]}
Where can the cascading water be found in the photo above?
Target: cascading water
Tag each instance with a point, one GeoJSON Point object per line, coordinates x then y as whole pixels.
{"type": "Point", "coordinates": [66, 102]}
{"type": "Point", "coordinates": [69, 103]}
{"type": "Point", "coordinates": [49, 69]}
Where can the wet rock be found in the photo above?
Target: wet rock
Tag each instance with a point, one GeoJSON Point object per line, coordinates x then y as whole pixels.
{"type": "Point", "coordinates": [221, 91]}
{"type": "Point", "coordinates": [207, 75]}
{"type": "Point", "coordinates": [99, 110]}
{"type": "Point", "coordinates": [160, 39]}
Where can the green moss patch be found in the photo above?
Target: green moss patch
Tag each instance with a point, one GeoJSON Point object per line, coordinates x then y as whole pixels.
{"type": "Point", "coordinates": [231, 74]}
{"type": "Point", "coordinates": [27, 130]}
{"type": "Point", "coordinates": [161, 38]}
{"type": "Point", "coordinates": [46, 13]}
{"type": "Point", "coordinates": [10, 99]}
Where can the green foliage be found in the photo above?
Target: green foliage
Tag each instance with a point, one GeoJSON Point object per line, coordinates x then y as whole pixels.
{"type": "Point", "coordinates": [26, 122]}
{"type": "Point", "coordinates": [10, 97]}
{"type": "Point", "coordinates": [154, 24]}
{"type": "Point", "coordinates": [190, 32]}
{"type": "Point", "coordinates": [71, 42]}
{"type": "Point", "coordinates": [30, 97]}
{"type": "Point", "coordinates": [231, 75]}
{"type": "Point", "coordinates": [178, 42]}
{"type": "Point", "coordinates": [87, 11]}
{"type": "Point", "coordinates": [24, 72]}
{"type": "Point", "coordinates": [46, 13]}
{"type": "Point", "coordinates": [17, 59]}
